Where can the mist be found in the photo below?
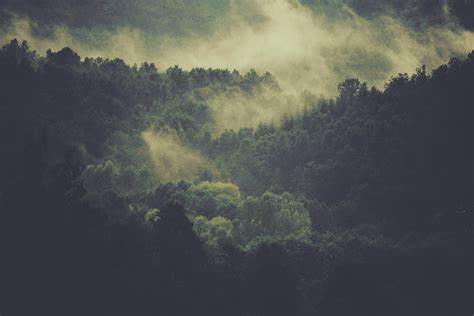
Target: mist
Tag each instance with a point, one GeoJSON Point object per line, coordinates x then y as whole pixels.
{"type": "Point", "coordinates": [306, 48]}
{"type": "Point", "coordinates": [211, 157]}
{"type": "Point", "coordinates": [172, 160]}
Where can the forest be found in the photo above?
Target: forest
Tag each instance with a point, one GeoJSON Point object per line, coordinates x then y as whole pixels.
{"type": "Point", "coordinates": [120, 197]}
{"type": "Point", "coordinates": [236, 157]}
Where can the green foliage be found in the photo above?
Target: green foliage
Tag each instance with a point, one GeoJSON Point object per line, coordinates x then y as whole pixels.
{"type": "Point", "coordinates": [109, 176]}
{"type": "Point", "coordinates": [213, 199]}
{"type": "Point", "coordinates": [370, 154]}
{"type": "Point", "coordinates": [153, 215]}
{"type": "Point", "coordinates": [101, 177]}
{"type": "Point", "coordinates": [365, 195]}
{"type": "Point", "coordinates": [272, 216]}
{"type": "Point", "coordinates": [216, 233]}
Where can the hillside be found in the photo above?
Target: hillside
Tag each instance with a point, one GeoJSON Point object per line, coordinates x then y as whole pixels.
{"type": "Point", "coordinates": [129, 190]}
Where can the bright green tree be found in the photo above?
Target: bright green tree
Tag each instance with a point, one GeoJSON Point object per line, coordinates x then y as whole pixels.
{"type": "Point", "coordinates": [272, 216]}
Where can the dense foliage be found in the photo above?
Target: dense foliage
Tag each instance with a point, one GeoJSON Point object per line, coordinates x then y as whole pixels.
{"type": "Point", "coordinates": [359, 204]}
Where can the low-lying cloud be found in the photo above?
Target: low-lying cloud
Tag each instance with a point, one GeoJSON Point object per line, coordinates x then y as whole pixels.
{"type": "Point", "coordinates": [172, 159]}
{"type": "Point", "coordinates": [234, 108]}
{"type": "Point", "coordinates": [305, 49]}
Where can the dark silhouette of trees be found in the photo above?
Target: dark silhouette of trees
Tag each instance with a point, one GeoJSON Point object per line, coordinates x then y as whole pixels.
{"type": "Point", "coordinates": [360, 204]}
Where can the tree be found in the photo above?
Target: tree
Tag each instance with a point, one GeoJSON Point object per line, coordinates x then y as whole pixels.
{"type": "Point", "coordinates": [182, 262]}
{"type": "Point", "coordinates": [213, 199]}
{"type": "Point", "coordinates": [274, 217]}
{"type": "Point", "coordinates": [216, 233]}
{"type": "Point", "coordinates": [275, 283]}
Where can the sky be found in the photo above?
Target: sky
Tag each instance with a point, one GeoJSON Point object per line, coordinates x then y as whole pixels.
{"type": "Point", "coordinates": [308, 44]}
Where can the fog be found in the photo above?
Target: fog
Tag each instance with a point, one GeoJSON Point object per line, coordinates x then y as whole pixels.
{"type": "Point", "coordinates": [172, 159]}
{"type": "Point", "coordinates": [305, 49]}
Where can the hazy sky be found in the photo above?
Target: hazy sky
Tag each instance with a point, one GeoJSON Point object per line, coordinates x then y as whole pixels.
{"type": "Point", "coordinates": [309, 45]}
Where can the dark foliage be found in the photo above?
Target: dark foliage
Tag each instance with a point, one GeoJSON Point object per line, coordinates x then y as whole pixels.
{"type": "Point", "coordinates": [385, 177]}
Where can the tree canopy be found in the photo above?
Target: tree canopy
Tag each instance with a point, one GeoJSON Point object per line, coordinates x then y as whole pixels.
{"type": "Point", "coordinates": [361, 203]}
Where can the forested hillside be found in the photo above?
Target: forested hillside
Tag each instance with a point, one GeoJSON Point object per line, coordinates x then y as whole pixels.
{"type": "Point", "coordinates": [123, 194]}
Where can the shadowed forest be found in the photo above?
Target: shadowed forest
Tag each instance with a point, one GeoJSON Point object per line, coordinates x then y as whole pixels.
{"type": "Point", "coordinates": [128, 188]}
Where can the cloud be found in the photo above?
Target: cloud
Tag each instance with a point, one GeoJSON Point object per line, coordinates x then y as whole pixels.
{"type": "Point", "coordinates": [125, 43]}
{"type": "Point", "coordinates": [305, 49]}
{"type": "Point", "coordinates": [173, 160]}
{"type": "Point", "coordinates": [234, 108]}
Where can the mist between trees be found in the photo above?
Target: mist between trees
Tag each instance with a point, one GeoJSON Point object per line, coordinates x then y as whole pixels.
{"type": "Point", "coordinates": [121, 185]}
